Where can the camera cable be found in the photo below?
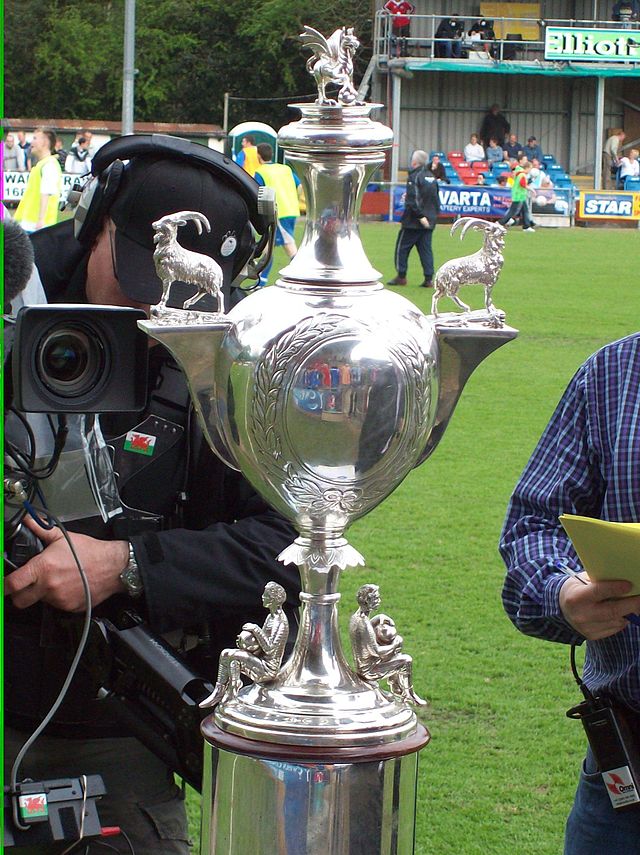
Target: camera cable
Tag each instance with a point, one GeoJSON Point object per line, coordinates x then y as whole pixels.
{"type": "Point", "coordinates": [35, 512]}
{"type": "Point", "coordinates": [26, 462]}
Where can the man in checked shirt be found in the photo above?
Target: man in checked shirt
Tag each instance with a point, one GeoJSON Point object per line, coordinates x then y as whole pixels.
{"type": "Point", "coordinates": [587, 462]}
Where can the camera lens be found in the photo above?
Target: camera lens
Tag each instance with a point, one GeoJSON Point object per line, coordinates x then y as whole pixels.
{"type": "Point", "coordinates": [70, 362]}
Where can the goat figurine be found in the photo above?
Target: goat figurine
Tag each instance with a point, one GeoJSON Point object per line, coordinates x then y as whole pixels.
{"type": "Point", "coordinates": [175, 263]}
{"type": "Point", "coordinates": [481, 268]}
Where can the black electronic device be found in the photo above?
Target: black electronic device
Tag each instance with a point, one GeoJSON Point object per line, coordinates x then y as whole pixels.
{"type": "Point", "coordinates": [615, 749]}
{"type": "Point", "coordinates": [79, 359]}
{"type": "Point", "coordinates": [153, 693]}
{"type": "Point", "coordinates": [52, 811]}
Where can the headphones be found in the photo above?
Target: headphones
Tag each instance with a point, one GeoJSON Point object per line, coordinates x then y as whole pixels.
{"type": "Point", "coordinates": [107, 169]}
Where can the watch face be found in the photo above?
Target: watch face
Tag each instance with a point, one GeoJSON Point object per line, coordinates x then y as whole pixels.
{"type": "Point", "coordinates": [132, 581]}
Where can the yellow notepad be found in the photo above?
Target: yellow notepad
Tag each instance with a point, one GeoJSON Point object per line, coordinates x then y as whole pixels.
{"type": "Point", "coordinates": [607, 550]}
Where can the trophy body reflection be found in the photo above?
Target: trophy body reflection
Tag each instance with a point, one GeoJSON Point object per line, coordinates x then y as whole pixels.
{"type": "Point", "coordinates": [325, 391]}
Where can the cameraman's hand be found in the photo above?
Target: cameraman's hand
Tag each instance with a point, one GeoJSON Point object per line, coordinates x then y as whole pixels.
{"type": "Point", "coordinates": [591, 609]}
{"type": "Point", "coordinates": [52, 576]}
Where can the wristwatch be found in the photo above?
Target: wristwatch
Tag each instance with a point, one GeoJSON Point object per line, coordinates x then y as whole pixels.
{"type": "Point", "coordinates": [130, 576]}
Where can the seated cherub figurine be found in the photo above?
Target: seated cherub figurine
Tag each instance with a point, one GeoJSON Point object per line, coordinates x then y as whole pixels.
{"type": "Point", "coordinates": [377, 647]}
{"type": "Point", "coordinates": [259, 650]}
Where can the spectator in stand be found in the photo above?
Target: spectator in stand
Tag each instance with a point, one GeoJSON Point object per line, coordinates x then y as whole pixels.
{"type": "Point", "coordinates": [626, 11]}
{"type": "Point", "coordinates": [61, 153]}
{"type": "Point", "coordinates": [13, 159]}
{"type": "Point", "coordinates": [611, 158]}
{"type": "Point", "coordinates": [78, 160]}
{"type": "Point", "coordinates": [532, 150]}
{"type": "Point", "coordinates": [629, 167]}
{"type": "Point", "coordinates": [39, 204]}
{"type": "Point", "coordinates": [510, 162]}
{"type": "Point", "coordinates": [400, 11]}
{"type": "Point", "coordinates": [450, 31]}
{"type": "Point", "coordinates": [519, 196]}
{"type": "Point", "coordinates": [481, 35]}
{"type": "Point", "coordinates": [88, 135]}
{"type": "Point", "coordinates": [26, 148]}
{"type": "Point", "coordinates": [494, 125]}
{"type": "Point", "coordinates": [437, 169]}
{"type": "Point", "coordinates": [247, 157]}
{"type": "Point", "coordinates": [494, 152]}
{"type": "Point", "coordinates": [513, 147]}
{"type": "Point", "coordinates": [536, 173]}
{"type": "Point", "coordinates": [473, 151]}
{"type": "Point", "coordinates": [480, 179]}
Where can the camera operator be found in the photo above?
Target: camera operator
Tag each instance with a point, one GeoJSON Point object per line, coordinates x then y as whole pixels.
{"type": "Point", "coordinates": [449, 33]}
{"type": "Point", "coordinates": [208, 543]}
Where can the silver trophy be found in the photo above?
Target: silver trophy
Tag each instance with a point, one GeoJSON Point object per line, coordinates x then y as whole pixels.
{"type": "Point", "coordinates": [325, 391]}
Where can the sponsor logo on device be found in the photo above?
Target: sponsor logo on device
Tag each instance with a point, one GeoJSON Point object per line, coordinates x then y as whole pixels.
{"type": "Point", "coordinates": [621, 787]}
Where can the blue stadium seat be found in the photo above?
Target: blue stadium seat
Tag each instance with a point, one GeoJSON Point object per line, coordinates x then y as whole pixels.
{"type": "Point", "coordinates": [563, 181]}
{"type": "Point", "coordinates": [632, 184]}
{"type": "Point", "coordinates": [547, 159]}
{"type": "Point", "coordinates": [499, 168]}
{"type": "Point", "coordinates": [440, 154]}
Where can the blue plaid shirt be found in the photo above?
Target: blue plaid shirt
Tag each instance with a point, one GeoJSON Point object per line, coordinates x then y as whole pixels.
{"type": "Point", "coordinates": [587, 462]}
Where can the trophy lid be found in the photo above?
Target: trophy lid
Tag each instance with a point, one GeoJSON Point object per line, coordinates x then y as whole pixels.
{"type": "Point", "coordinates": [334, 149]}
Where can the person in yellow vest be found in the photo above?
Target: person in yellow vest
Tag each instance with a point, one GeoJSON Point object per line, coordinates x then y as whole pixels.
{"type": "Point", "coordinates": [248, 155]}
{"type": "Point", "coordinates": [39, 204]}
{"type": "Point", "coordinates": [285, 184]}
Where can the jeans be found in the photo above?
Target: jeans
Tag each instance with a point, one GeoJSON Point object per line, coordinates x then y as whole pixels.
{"type": "Point", "coordinates": [141, 798]}
{"type": "Point", "coordinates": [515, 209]}
{"type": "Point", "coordinates": [421, 239]}
{"type": "Point", "coordinates": [449, 49]}
{"type": "Point", "coordinates": [594, 827]}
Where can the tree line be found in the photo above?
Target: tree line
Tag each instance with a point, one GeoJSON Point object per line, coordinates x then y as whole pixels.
{"type": "Point", "coordinates": [63, 58]}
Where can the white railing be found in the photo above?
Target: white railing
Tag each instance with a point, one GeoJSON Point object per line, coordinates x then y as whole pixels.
{"type": "Point", "coordinates": [421, 41]}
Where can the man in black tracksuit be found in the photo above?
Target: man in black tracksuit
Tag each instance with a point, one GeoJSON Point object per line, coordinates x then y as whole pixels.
{"type": "Point", "coordinates": [421, 209]}
{"type": "Point", "coordinates": [204, 569]}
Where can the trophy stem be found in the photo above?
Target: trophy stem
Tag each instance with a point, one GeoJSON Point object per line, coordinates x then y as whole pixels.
{"type": "Point", "coordinates": [318, 661]}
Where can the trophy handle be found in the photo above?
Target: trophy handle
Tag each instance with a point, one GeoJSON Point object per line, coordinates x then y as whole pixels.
{"type": "Point", "coordinates": [461, 349]}
{"type": "Point", "coordinates": [196, 348]}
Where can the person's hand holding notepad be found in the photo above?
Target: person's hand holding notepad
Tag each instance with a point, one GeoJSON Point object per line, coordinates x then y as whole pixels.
{"type": "Point", "coordinates": [610, 554]}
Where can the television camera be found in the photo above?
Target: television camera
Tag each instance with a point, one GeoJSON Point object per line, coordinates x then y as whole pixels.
{"type": "Point", "coordinates": [70, 363]}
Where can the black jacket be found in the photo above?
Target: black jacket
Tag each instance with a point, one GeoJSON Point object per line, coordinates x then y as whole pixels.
{"type": "Point", "coordinates": [494, 126]}
{"type": "Point", "coordinates": [421, 199]}
{"type": "Point", "coordinates": [212, 570]}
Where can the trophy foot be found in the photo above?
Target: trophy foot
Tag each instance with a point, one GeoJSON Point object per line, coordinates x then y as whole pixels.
{"type": "Point", "coordinates": [351, 715]}
{"type": "Point", "coordinates": [215, 697]}
{"type": "Point", "coordinates": [412, 698]}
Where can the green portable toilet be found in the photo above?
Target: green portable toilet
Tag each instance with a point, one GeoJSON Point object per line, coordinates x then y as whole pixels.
{"type": "Point", "coordinates": [261, 133]}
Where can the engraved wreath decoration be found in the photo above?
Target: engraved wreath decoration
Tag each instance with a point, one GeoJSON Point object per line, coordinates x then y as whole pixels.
{"type": "Point", "coordinates": [309, 492]}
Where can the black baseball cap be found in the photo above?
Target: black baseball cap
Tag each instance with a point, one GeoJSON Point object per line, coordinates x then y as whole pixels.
{"type": "Point", "coordinates": [532, 139]}
{"type": "Point", "coordinates": [151, 188]}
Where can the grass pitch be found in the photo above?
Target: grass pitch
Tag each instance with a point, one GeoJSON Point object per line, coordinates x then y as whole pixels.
{"type": "Point", "coordinates": [499, 774]}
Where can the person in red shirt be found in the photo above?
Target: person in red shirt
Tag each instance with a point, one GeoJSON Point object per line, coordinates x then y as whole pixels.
{"type": "Point", "coordinates": [400, 11]}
